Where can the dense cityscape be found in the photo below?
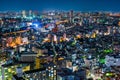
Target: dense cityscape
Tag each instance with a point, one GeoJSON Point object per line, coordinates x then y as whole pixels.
{"type": "Point", "coordinates": [59, 45]}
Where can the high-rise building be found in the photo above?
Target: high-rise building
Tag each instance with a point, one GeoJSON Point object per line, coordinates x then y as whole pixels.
{"type": "Point", "coordinates": [30, 12]}
{"type": "Point", "coordinates": [23, 13]}
{"type": "Point", "coordinates": [71, 14]}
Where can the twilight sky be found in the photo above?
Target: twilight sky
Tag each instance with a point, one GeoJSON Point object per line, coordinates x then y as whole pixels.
{"type": "Point", "coordinates": [78, 5]}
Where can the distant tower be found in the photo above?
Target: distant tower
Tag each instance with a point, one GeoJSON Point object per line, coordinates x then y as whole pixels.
{"type": "Point", "coordinates": [71, 15]}
{"type": "Point", "coordinates": [55, 38]}
{"type": "Point", "coordinates": [23, 13]}
{"type": "Point", "coordinates": [30, 12]}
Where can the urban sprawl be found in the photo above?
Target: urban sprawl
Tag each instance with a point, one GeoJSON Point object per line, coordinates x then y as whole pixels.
{"type": "Point", "coordinates": [59, 45]}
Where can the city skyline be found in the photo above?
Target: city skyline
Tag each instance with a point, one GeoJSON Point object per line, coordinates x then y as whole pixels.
{"type": "Point", "coordinates": [77, 5]}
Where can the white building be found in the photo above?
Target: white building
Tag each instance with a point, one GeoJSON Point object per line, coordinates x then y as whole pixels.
{"type": "Point", "coordinates": [28, 57]}
{"type": "Point", "coordinates": [112, 60]}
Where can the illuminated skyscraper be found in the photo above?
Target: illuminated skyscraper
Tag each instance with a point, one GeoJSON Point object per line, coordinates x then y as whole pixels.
{"type": "Point", "coordinates": [23, 13]}
{"type": "Point", "coordinates": [71, 15]}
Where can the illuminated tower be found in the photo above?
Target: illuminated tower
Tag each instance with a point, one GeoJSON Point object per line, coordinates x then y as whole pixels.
{"type": "Point", "coordinates": [55, 38]}
{"type": "Point", "coordinates": [71, 15]}
{"type": "Point", "coordinates": [23, 13]}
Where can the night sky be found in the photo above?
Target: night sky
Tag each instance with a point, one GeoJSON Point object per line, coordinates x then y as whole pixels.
{"type": "Point", "coordinates": [78, 5]}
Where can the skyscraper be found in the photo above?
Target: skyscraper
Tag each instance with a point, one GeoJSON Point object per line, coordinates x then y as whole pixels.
{"type": "Point", "coordinates": [23, 13]}
{"type": "Point", "coordinates": [71, 13]}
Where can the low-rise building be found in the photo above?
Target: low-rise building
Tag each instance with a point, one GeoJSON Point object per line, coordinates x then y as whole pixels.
{"type": "Point", "coordinates": [28, 57]}
{"type": "Point", "coordinates": [112, 60]}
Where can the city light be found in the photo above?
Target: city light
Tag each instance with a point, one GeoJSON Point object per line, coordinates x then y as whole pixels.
{"type": "Point", "coordinates": [59, 44]}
